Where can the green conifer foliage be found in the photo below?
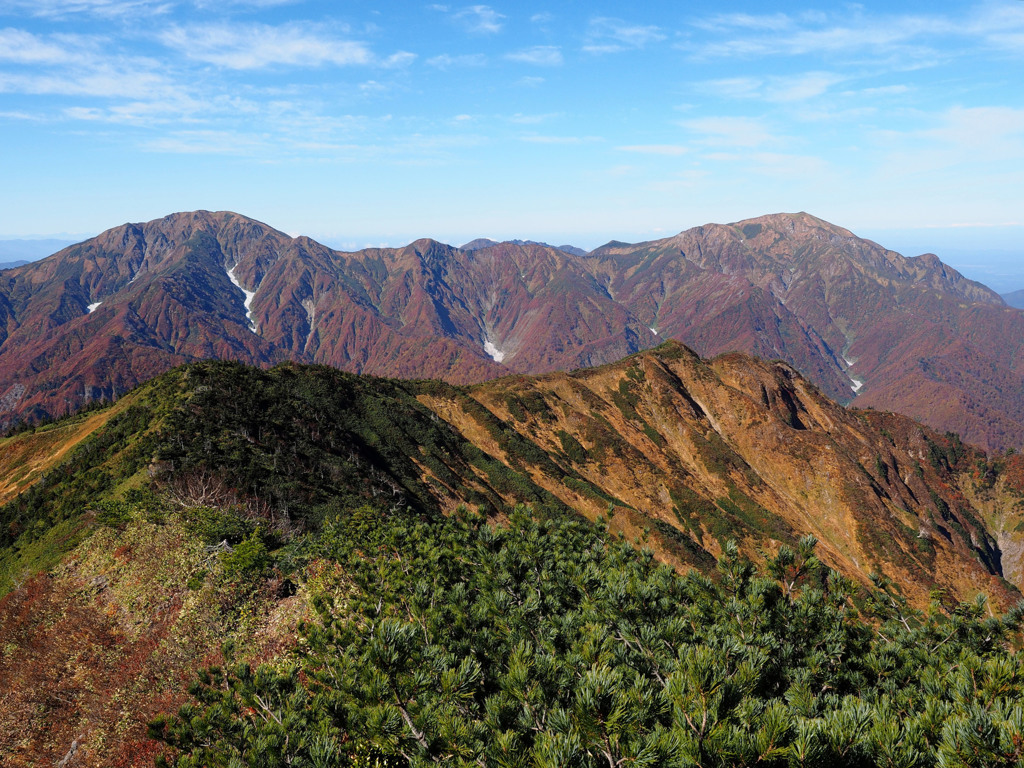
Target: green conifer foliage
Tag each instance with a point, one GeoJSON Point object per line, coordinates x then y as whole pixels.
{"type": "Point", "coordinates": [545, 642]}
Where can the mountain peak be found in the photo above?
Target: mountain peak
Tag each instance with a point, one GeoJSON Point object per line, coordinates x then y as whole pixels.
{"type": "Point", "coordinates": [476, 245]}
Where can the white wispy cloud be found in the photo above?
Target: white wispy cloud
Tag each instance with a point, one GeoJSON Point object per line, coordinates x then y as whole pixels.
{"type": "Point", "coordinates": [480, 19]}
{"type": "Point", "coordinates": [1000, 26]}
{"type": "Point", "coordinates": [134, 89]}
{"type": "Point", "coordinates": [669, 150]}
{"type": "Point", "coordinates": [968, 148]}
{"type": "Point", "coordinates": [103, 81]}
{"type": "Point", "coordinates": [733, 87]}
{"type": "Point", "coordinates": [126, 8]}
{"type": "Point", "coordinates": [101, 8]}
{"type": "Point", "coordinates": [801, 87]}
{"type": "Point", "coordinates": [608, 35]}
{"type": "Point", "coordinates": [925, 37]}
{"type": "Point", "coordinates": [777, 88]}
{"type": "Point", "coordinates": [746, 35]}
{"type": "Point", "coordinates": [208, 142]}
{"type": "Point", "coordinates": [540, 55]}
{"type": "Point", "coordinates": [957, 135]}
{"type": "Point", "coordinates": [244, 3]}
{"type": "Point", "coordinates": [560, 139]}
{"type": "Point", "coordinates": [448, 61]}
{"type": "Point", "coordinates": [397, 60]}
{"type": "Point", "coordinates": [882, 90]}
{"type": "Point", "coordinates": [730, 131]}
{"type": "Point", "coordinates": [729, 21]}
{"type": "Point", "coordinates": [981, 132]}
{"type": "Point", "coordinates": [520, 119]}
{"type": "Point", "coordinates": [20, 116]}
{"type": "Point", "coordinates": [255, 46]}
{"type": "Point", "coordinates": [175, 109]}
{"type": "Point", "coordinates": [20, 47]}
{"type": "Point", "coordinates": [781, 165]}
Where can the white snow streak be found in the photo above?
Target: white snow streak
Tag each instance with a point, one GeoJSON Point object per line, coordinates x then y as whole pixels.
{"type": "Point", "coordinates": [249, 296]}
{"type": "Point", "coordinates": [856, 383]}
{"type": "Point", "coordinates": [310, 307]}
{"type": "Point", "coordinates": [493, 351]}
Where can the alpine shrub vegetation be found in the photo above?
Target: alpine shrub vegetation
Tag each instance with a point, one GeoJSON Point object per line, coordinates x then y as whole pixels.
{"type": "Point", "coordinates": [548, 642]}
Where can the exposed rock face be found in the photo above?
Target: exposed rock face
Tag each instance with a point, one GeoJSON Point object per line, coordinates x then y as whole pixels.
{"type": "Point", "coordinates": [907, 334]}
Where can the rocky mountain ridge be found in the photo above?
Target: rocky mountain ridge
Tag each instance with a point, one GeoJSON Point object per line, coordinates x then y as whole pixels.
{"type": "Point", "coordinates": [864, 323]}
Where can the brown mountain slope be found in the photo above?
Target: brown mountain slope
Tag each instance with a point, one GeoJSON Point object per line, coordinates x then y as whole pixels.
{"type": "Point", "coordinates": [694, 452]}
{"type": "Point", "coordinates": [907, 334]}
{"type": "Point", "coordinates": [843, 310]}
{"type": "Point", "coordinates": [678, 453]}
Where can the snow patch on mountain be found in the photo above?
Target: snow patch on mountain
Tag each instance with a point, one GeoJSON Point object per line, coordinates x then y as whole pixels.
{"type": "Point", "coordinates": [496, 354]}
{"type": "Point", "coordinates": [249, 296]}
{"type": "Point", "coordinates": [92, 307]}
{"type": "Point", "coordinates": [855, 383]}
{"type": "Point", "coordinates": [310, 307]}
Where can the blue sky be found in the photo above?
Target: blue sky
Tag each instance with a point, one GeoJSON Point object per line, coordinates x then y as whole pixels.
{"type": "Point", "coordinates": [377, 123]}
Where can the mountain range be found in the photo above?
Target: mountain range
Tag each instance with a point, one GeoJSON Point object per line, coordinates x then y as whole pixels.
{"type": "Point", "coordinates": [18, 251]}
{"type": "Point", "coordinates": [1015, 299]}
{"type": "Point", "coordinates": [864, 323]}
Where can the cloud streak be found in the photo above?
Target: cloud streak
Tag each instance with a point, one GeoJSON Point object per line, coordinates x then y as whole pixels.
{"type": "Point", "coordinates": [20, 47]}
{"type": "Point", "coordinates": [609, 35]}
{"type": "Point", "coordinates": [782, 89]}
{"type": "Point", "coordinates": [538, 55]}
{"type": "Point", "coordinates": [750, 36]}
{"type": "Point", "coordinates": [667, 150]}
{"type": "Point", "coordinates": [449, 61]}
{"type": "Point", "coordinates": [743, 132]}
{"type": "Point", "coordinates": [59, 9]}
{"type": "Point", "coordinates": [480, 19]}
{"type": "Point", "coordinates": [256, 46]}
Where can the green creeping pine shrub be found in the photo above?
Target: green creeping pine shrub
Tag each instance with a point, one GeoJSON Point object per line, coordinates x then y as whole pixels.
{"type": "Point", "coordinates": [545, 643]}
{"type": "Point", "coordinates": [572, 447]}
{"type": "Point", "coordinates": [214, 525]}
{"type": "Point", "coordinates": [113, 513]}
{"type": "Point", "coordinates": [248, 560]}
